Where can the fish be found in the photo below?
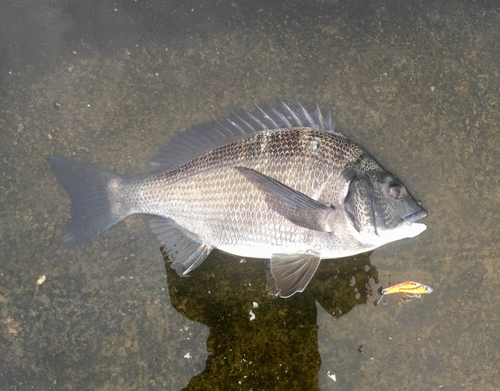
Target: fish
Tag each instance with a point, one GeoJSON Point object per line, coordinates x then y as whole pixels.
{"type": "Point", "coordinates": [277, 183]}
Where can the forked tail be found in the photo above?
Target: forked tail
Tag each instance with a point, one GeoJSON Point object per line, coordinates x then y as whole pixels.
{"type": "Point", "coordinates": [95, 205]}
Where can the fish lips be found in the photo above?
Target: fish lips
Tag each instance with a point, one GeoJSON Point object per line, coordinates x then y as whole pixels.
{"type": "Point", "coordinates": [409, 227]}
{"type": "Point", "coordinates": [410, 219]}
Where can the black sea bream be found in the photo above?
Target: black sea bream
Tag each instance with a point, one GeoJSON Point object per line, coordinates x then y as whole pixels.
{"type": "Point", "coordinates": [278, 184]}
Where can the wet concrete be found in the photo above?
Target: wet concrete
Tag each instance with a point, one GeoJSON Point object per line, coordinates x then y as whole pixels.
{"type": "Point", "coordinates": [416, 84]}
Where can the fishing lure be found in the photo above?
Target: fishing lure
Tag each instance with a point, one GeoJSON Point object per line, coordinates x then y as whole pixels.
{"type": "Point", "coordinates": [409, 288]}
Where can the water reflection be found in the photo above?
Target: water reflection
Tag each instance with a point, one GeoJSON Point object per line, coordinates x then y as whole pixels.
{"type": "Point", "coordinates": [257, 341]}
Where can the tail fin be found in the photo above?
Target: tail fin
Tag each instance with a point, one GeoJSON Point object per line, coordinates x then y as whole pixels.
{"type": "Point", "coordinates": [94, 209]}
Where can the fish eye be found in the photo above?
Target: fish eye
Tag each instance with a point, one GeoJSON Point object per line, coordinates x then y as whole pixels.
{"type": "Point", "coordinates": [396, 191]}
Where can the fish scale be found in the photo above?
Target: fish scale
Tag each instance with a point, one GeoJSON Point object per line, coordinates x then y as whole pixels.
{"type": "Point", "coordinates": [278, 184]}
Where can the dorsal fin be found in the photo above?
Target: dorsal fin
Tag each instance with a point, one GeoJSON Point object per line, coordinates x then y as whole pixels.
{"type": "Point", "coordinates": [202, 138]}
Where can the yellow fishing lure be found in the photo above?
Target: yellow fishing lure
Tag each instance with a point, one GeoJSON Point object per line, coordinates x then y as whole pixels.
{"type": "Point", "coordinates": [409, 288]}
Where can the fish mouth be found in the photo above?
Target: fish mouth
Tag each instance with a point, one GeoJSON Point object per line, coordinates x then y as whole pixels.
{"type": "Point", "coordinates": [410, 219]}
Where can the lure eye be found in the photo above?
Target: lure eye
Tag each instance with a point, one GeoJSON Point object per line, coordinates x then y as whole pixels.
{"type": "Point", "coordinates": [396, 191]}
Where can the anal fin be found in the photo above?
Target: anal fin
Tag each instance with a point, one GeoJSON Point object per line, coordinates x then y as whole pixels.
{"type": "Point", "coordinates": [290, 273]}
{"type": "Point", "coordinates": [184, 249]}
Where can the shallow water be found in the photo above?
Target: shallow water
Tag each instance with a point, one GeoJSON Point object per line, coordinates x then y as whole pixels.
{"type": "Point", "coordinates": [417, 85]}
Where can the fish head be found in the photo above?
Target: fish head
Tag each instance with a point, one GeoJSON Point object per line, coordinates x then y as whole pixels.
{"type": "Point", "coordinates": [396, 211]}
{"type": "Point", "coordinates": [381, 209]}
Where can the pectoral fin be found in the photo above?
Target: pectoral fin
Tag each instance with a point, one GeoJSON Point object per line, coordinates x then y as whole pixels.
{"type": "Point", "coordinates": [290, 273]}
{"type": "Point", "coordinates": [291, 204]}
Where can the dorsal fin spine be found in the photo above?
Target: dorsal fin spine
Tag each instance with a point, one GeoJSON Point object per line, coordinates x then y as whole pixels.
{"type": "Point", "coordinates": [202, 138]}
{"type": "Point", "coordinates": [292, 114]}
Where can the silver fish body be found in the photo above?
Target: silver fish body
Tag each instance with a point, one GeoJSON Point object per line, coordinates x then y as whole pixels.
{"type": "Point", "coordinates": [278, 184]}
